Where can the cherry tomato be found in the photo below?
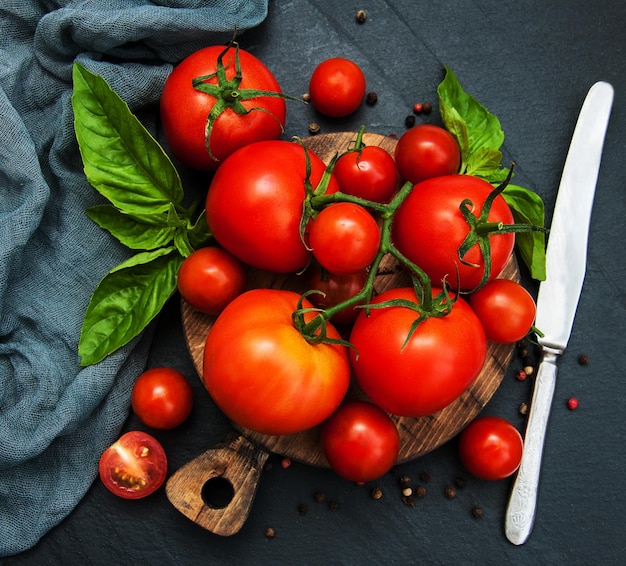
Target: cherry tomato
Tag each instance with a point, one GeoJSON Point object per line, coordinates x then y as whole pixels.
{"type": "Point", "coordinates": [263, 374]}
{"type": "Point", "coordinates": [336, 289]}
{"type": "Point", "coordinates": [210, 278]}
{"type": "Point", "coordinates": [360, 441]}
{"type": "Point", "coordinates": [255, 200]}
{"type": "Point", "coordinates": [134, 466]}
{"type": "Point", "coordinates": [427, 151]}
{"type": "Point", "coordinates": [506, 310]}
{"type": "Point", "coordinates": [369, 173]}
{"type": "Point", "coordinates": [433, 241]}
{"type": "Point", "coordinates": [344, 238]}
{"type": "Point", "coordinates": [337, 87]}
{"type": "Point", "coordinates": [417, 378]}
{"type": "Point", "coordinates": [185, 109]}
{"type": "Point", "coordinates": [162, 398]}
{"type": "Point", "coordinates": [490, 448]}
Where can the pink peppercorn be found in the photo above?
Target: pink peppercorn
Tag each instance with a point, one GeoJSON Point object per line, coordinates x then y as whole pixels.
{"type": "Point", "coordinates": [572, 403]}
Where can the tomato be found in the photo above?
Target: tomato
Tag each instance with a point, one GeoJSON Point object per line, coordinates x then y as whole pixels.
{"type": "Point", "coordinates": [336, 289]}
{"type": "Point", "coordinates": [185, 109]}
{"type": "Point", "coordinates": [429, 228]}
{"type": "Point", "coordinates": [344, 238]}
{"type": "Point", "coordinates": [427, 151]}
{"type": "Point", "coordinates": [506, 310]}
{"type": "Point", "coordinates": [337, 87]}
{"type": "Point", "coordinates": [210, 278]}
{"type": "Point", "coordinates": [440, 360]}
{"type": "Point", "coordinates": [490, 448]}
{"type": "Point", "coordinates": [369, 173]}
{"type": "Point", "coordinates": [134, 466]}
{"type": "Point", "coordinates": [263, 374]}
{"type": "Point", "coordinates": [162, 398]}
{"type": "Point", "coordinates": [255, 200]}
{"type": "Point", "coordinates": [360, 441]}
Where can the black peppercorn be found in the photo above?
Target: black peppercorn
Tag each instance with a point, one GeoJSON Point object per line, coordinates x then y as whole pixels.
{"type": "Point", "coordinates": [303, 509]}
{"type": "Point", "coordinates": [450, 492]}
{"type": "Point", "coordinates": [319, 497]}
{"type": "Point", "coordinates": [427, 108]}
{"type": "Point", "coordinates": [409, 121]}
{"type": "Point", "coordinates": [371, 98]}
{"type": "Point", "coordinates": [477, 512]}
{"type": "Point", "coordinates": [583, 360]}
{"type": "Point", "coordinates": [333, 505]}
{"type": "Point", "coordinates": [376, 493]}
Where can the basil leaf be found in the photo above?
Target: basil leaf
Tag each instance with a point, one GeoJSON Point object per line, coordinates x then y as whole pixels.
{"type": "Point", "coordinates": [126, 301]}
{"type": "Point", "coordinates": [121, 158]}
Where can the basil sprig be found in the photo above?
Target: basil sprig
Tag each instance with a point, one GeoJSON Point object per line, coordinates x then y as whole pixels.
{"type": "Point", "coordinates": [480, 137]}
{"type": "Point", "coordinates": [128, 167]}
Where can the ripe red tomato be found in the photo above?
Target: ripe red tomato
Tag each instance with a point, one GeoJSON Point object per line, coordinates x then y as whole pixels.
{"type": "Point", "coordinates": [344, 238]}
{"type": "Point", "coordinates": [337, 87]}
{"type": "Point", "coordinates": [429, 228]}
{"type": "Point", "coordinates": [441, 359]}
{"type": "Point", "coordinates": [506, 310]}
{"type": "Point", "coordinates": [210, 278]}
{"type": "Point", "coordinates": [254, 204]}
{"type": "Point", "coordinates": [336, 289]}
{"type": "Point", "coordinates": [369, 174]}
{"type": "Point", "coordinates": [490, 448]}
{"type": "Point", "coordinates": [185, 109]}
{"type": "Point", "coordinates": [360, 441]}
{"type": "Point", "coordinates": [427, 151]}
{"type": "Point", "coordinates": [261, 371]}
{"type": "Point", "coordinates": [162, 398]}
{"type": "Point", "coordinates": [134, 466]}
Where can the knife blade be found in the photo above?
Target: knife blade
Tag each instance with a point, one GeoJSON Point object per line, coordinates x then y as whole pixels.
{"type": "Point", "coordinates": [559, 294]}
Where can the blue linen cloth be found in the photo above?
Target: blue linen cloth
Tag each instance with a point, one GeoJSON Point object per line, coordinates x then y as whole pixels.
{"type": "Point", "coordinates": [57, 417]}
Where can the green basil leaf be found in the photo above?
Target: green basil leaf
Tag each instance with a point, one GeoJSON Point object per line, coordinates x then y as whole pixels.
{"type": "Point", "coordinates": [126, 300]}
{"type": "Point", "coordinates": [121, 158]}
{"type": "Point", "coordinates": [199, 234]}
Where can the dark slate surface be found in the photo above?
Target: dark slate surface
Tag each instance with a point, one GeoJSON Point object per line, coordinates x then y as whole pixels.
{"type": "Point", "coordinates": [531, 64]}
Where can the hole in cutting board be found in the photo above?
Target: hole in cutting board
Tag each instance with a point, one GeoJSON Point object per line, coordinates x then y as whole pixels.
{"type": "Point", "coordinates": [217, 493]}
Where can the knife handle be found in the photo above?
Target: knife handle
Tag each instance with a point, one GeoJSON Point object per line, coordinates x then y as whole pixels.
{"type": "Point", "coordinates": [520, 513]}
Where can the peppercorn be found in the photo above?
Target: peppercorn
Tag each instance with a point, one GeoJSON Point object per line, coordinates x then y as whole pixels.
{"type": "Point", "coordinates": [529, 370]}
{"type": "Point", "coordinates": [427, 108]}
{"type": "Point", "coordinates": [376, 493]}
{"type": "Point", "coordinates": [285, 462]}
{"type": "Point", "coordinates": [420, 491]}
{"type": "Point", "coordinates": [303, 509]}
{"type": "Point", "coordinates": [523, 408]}
{"type": "Point", "coordinates": [409, 500]}
{"type": "Point", "coordinates": [521, 375]}
{"type": "Point", "coordinates": [572, 403]}
{"type": "Point", "coordinates": [270, 533]}
{"type": "Point", "coordinates": [418, 107]}
{"type": "Point", "coordinates": [371, 98]}
{"type": "Point", "coordinates": [450, 492]}
{"type": "Point", "coordinates": [477, 512]}
{"type": "Point", "coordinates": [583, 360]}
{"type": "Point", "coordinates": [306, 97]}
{"type": "Point", "coordinates": [319, 497]}
{"type": "Point", "coordinates": [361, 16]}
{"type": "Point", "coordinates": [409, 121]}
{"type": "Point", "coordinates": [425, 477]}
{"type": "Point", "coordinates": [407, 491]}
{"type": "Point", "coordinates": [460, 482]}
{"type": "Point", "coordinates": [333, 505]}
{"type": "Point", "coordinates": [405, 481]}
{"type": "Point", "coordinates": [314, 128]}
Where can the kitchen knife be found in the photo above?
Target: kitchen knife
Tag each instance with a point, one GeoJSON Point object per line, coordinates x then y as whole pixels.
{"type": "Point", "coordinates": [566, 259]}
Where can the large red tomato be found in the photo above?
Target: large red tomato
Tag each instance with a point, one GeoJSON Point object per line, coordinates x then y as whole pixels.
{"type": "Point", "coordinates": [429, 228]}
{"type": "Point", "coordinates": [418, 377]}
{"type": "Point", "coordinates": [263, 374]}
{"type": "Point", "coordinates": [185, 107]}
{"type": "Point", "coordinates": [254, 204]}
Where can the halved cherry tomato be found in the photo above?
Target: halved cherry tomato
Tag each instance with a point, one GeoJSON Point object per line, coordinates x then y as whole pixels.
{"type": "Point", "coordinates": [134, 466]}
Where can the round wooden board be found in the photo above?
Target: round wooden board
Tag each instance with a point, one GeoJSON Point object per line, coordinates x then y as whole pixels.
{"type": "Point", "coordinates": [418, 435]}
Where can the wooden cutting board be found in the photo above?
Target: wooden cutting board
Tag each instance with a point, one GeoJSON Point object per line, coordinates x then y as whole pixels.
{"type": "Point", "coordinates": [216, 489]}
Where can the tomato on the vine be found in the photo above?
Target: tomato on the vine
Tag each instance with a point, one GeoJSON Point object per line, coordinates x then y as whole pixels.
{"type": "Point", "coordinates": [210, 278]}
{"type": "Point", "coordinates": [360, 441]}
{"type": "Point", "coordinates": [422, 375]}
{"type": "Point", "coordinates": [134, 466]}
{"type": "Point", "coordinates": [255, 201]}
{"type": "Point", "coordinates": [162, 398]}
{"type": "Point", "coordinates": [195, 88]}
{"type": "Point", "coordinates": [427, 151]}
{"type": "Point", "coordinates": [337, 87]}
{"type": "Point", "coordinates": [505, 308]}
{"type": "Point", "coordinates": [344, 238]}
{"type": "Point", "coordinates": [261, 371]}
{"type": "Point", "coordinates": [429, 228]}
{"type": "Point", "coordinates": [490, 448]}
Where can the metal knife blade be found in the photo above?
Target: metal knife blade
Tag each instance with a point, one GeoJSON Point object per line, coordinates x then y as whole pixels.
{"type": "Point", "coordinates": [557, 301]}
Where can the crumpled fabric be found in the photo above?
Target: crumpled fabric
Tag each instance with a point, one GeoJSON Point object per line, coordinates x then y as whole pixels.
{"type": "Point", "coordinates": [57, 417]}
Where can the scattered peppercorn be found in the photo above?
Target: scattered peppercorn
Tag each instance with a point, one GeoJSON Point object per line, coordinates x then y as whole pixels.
{"type": "Point", "coordinates": [371, 98]}
{"type": "Point", "coordinates": [409, 121]}
{"type": "Point", "coordinates": [303, 509]}
{"type": "Point", "coordinates": [425, 477]}
{"type": "Point", "coordinates": [314, 128]}
{"type": "Point", "coordinates": [409, 500]}
{"type": "Point", "coordinates": [420, 491]}
{"type": "Point", "coordinates": [407, 491]}
{"type": "Point", "coordinates": [477, 512]}
{"type": "Point", "coordinates": [361, 16]}
{"type": "Point", "coordinates": [285, 462]}
{"type": "Point", "coordinates": [572, 403]}
{"type": "Point", "coordinates": [418, 107]}
{"type": "Point", "coordinates": [460, 482]}
{"type": "Point", "coordinates": [529, 370]}
{"type": "Point", "coordinates": [306, 97]}
{"type": "Point", "coordinates": [450, 492]}
{"type": "Point", "coordinates": [376, 493]}
{"type": "Point", "coordinates": [333, 505]}
{"type": "Point", "coordinates": [319, 497]}
{"type": "Point", "coordinates": [523, 409]}
{"type": "Point", "coordinates": [521, 375]}
{"type": "Point", "coordinates": [405, 481]}
{"type": "Point", "coordinates": [270, 533]}
{"type": "Point", "coordinates": [427, 108]}
{"type": "Point", "coordinates": [583, 360]}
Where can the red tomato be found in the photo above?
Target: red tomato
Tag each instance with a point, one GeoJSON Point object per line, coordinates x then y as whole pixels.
{"type": "Point", "coordinates": [360, 441]}
{"type": "Point", "coordinates": [429, 228]}
{"type": "Point", "coordinates": [344, 238]}
{"type": "Point", "coordinates": [337, 87]}
{"type": "Point", "coordinates": [254, 204]}
{"type": "Point", "coordinates": [490, 448]}
{"type": "Point", "coordinates": [506, 310]}
{"type": "Point", "coordinates": [210, 278]}
{"type": "Point", "coordinates": [369, 174]}
{"type": "Point", "coordinates": [134, 466]}
{"type": "Point", "coordinates": [441, 359]}
{"type": "Point", "coordinates": [185, 109]}
{"type": "Point", "coordinates": [427, 151]}
{"type": "Point", "coordinates": [263, 374]}
{"type": "Point", "coordinates": [162, 398]}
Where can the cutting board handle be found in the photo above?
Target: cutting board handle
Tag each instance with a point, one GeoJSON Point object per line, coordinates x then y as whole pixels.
{"type": "Point", "coordinates": [216, 489]}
